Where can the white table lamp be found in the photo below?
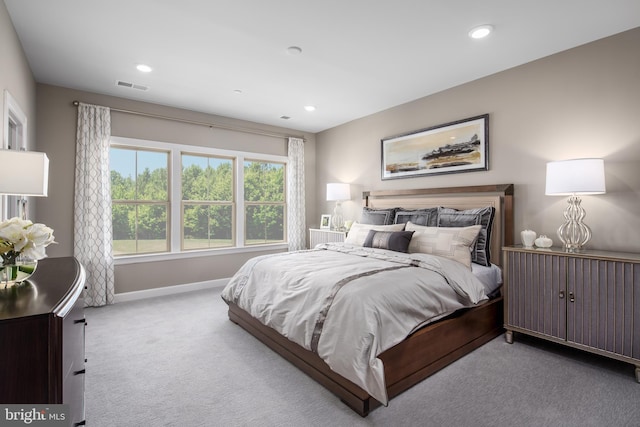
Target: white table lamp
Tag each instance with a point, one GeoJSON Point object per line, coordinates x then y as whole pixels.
{"type": "Point", "coordinates": [574, 178]}
{"type": "Point", "coordinates": [338, 192]}
{"type": "Point", "coordinates": [23, 173]}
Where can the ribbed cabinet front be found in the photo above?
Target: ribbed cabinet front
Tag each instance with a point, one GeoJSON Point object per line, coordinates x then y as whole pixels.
{"type": "Point", "coordinates": [588, 300]}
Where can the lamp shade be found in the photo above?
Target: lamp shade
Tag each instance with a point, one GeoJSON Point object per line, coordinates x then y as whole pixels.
{"type": "Point", "coordinates": [338, 191]}
{"type": "Point", "coordinates": [24, 173]}
{"type": "Point", "coordinates": [576, 176]}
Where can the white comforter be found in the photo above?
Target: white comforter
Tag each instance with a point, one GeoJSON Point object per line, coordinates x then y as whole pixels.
{"type": "Point", "coordinates": [348, 304]}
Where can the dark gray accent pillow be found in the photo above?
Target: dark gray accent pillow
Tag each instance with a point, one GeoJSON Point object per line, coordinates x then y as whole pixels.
{"type": "Point", "coordinates": [392, 240]}
{"type": "Point", "coordinates": [427, 217]}
{"type": "Point", "coordinates": [481, 251]}
{"type": "Point", "coordinates": [377, 216]}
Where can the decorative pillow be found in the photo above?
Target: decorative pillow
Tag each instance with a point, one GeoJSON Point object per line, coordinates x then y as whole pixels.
{"type": "Point", "coordinates": [449, 217]}
{"type": "Point", "coordinates": [449, 242]}
{"type": "Point", "coordinates": [358, 232]}
{"type": "Point", "coordinates": [427, 216]}
{"type": "Point", "coordinates": [392, 240]}
{"type": "Point", "coordinates": [377, 216]}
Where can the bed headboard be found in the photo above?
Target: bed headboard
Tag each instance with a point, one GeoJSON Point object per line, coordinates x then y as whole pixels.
{"type": "Point", "coordinates": [479, 196]}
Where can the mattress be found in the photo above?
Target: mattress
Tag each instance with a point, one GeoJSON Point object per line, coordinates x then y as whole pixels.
{"type": "Point", "coordinates": [490, 277]}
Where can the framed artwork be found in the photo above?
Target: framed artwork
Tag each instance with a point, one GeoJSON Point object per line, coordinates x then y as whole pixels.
{"type": "Point", "coordinates": [460, 146]}
{"type": "Point", "coordinates": [325, 221]}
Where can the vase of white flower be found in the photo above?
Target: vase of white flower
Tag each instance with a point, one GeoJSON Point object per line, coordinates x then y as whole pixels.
{"type": "Point", "coordinates": [11, 274]}
{"type": "Point", "coordinates": [22, 244]}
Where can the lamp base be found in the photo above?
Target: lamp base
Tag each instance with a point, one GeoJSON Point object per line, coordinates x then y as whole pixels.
{"type": "Point", "coordinates": [337, 220]}
{"type": "Point", "coordinates": [574, 233]}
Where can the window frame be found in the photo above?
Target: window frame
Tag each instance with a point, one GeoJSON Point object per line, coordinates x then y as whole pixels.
{"type": "Point", "coordinates": [232, 202]}
{"type": "Point", "coordinates": [136, 203]}
{"type": "Point", "coordinates": [269, 203]}
{"type": "Point", "coordinates": [175, 202]}
{"type": "Point", "coordinates": [13, 117]}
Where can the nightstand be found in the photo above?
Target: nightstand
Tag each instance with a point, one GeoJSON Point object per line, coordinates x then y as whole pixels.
{"type": "Point", "coordinates": [588, 300]}
{"type": "Point", "coordinates": [323, 235]}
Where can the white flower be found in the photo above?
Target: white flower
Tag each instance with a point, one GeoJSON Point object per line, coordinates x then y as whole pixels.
{"type": "Point", "coordinates": [13, 231]}
{"type": "Point", "coordinates": [19, 236]}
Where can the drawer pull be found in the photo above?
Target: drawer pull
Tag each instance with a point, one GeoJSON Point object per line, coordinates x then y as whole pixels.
{"type": "Point", "coordinates": [561, 294]}
{"type": "Point", "coordinates": [82, 371]}
{"type": "Point", "coordinates": [80, 321]}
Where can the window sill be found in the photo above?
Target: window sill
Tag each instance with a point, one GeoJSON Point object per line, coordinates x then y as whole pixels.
{"type": "Point", "coordinates": [135, 259]}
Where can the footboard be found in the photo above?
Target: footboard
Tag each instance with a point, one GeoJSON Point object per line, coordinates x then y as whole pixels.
{"type": "Point", "coordinates": [437, 345]}
{"type": "Point", "coordinates": [406, 364]}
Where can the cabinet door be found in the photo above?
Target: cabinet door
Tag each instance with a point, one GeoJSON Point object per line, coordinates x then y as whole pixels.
{"type": "Point", "coordinates": [535, 292]}
{"type": "Point", "coordinates": [601, 313]}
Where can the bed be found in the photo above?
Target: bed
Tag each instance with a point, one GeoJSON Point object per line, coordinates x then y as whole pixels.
{"type": "Point", "coordinates": [427, 349]}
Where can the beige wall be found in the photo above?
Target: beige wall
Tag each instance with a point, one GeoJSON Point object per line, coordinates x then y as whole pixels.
{"type": "Point", "coordinates": [15, 74]}
{"type": "Point", "coordinates": [57, 119]}
{"type": "Point", "coordinates": [584, 102]}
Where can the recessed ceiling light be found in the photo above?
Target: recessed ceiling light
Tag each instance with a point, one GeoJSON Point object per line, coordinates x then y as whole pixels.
{"type": "Point", "coordinates": [294, 50]}
{"type": "Point", "coordinates": [310, 108]}
{"type": "Point", "coordinates": [481, 31]}
{"type": "Point", "coordinates": [144, 68]}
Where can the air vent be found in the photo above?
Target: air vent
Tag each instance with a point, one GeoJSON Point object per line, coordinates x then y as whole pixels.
{"type": "Point", "coordinates": [131, 85]}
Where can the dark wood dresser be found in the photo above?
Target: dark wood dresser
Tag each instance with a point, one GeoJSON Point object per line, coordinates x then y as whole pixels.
{"type": "Point", "coordinates": [42, 338]}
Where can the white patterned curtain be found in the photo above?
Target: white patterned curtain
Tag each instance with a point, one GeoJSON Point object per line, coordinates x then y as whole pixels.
{"type": "Point", "coordinates": [296, 227]}
{"type": "Point", "coordinates": [92, 204]}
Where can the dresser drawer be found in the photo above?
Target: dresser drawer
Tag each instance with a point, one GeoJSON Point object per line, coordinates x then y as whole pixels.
{"type": "Point", "coordinates": [73, 333]}
{"type": "Point", "coordinates": [73, 392]}
{"type": "Point", "coordinates": [73, 361]}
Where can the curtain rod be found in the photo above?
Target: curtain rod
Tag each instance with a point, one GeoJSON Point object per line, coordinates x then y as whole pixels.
{"type": "Point", "coordinates": [198, 123]}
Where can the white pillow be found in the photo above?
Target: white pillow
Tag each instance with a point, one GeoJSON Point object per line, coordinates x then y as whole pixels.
{"type": "Point", "coordinates": [358, 232]}
{"type": "Point", "coordinates": [449, 242]}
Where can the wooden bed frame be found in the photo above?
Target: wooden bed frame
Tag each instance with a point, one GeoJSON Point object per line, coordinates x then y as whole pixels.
{"type": "Point", "coordinates": [436, 345]}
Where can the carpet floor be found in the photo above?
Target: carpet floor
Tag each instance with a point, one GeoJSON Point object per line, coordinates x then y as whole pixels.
{"type": "Point", "coordinates": [178, 361]}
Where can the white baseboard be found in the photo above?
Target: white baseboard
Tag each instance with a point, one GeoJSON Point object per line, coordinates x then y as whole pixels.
{"type": "Point", "coordinates": [168, 290]}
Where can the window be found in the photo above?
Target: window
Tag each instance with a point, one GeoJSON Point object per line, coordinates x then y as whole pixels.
{"type": "Point", "coordinates": [140, 200]}
{"type": "Point", "coordinates": [174, 198]}
{"type": "Point", "coordinates": [207, 202]}
{"type": "Point", "coordinates": [15, 120]}
{"type": "Point", "coordinates": [15, 138]}
{"type": "Point", "coordinates": [264, 196]}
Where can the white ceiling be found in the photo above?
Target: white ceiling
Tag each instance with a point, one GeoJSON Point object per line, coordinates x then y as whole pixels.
{"type": "Point", "coordinates": [358, 56]}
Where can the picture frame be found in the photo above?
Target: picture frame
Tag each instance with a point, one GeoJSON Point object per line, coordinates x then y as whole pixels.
{"type": "Point", "coordinates": [325, 221]}
{"type": "Point", "coordinates": [454, 147]}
